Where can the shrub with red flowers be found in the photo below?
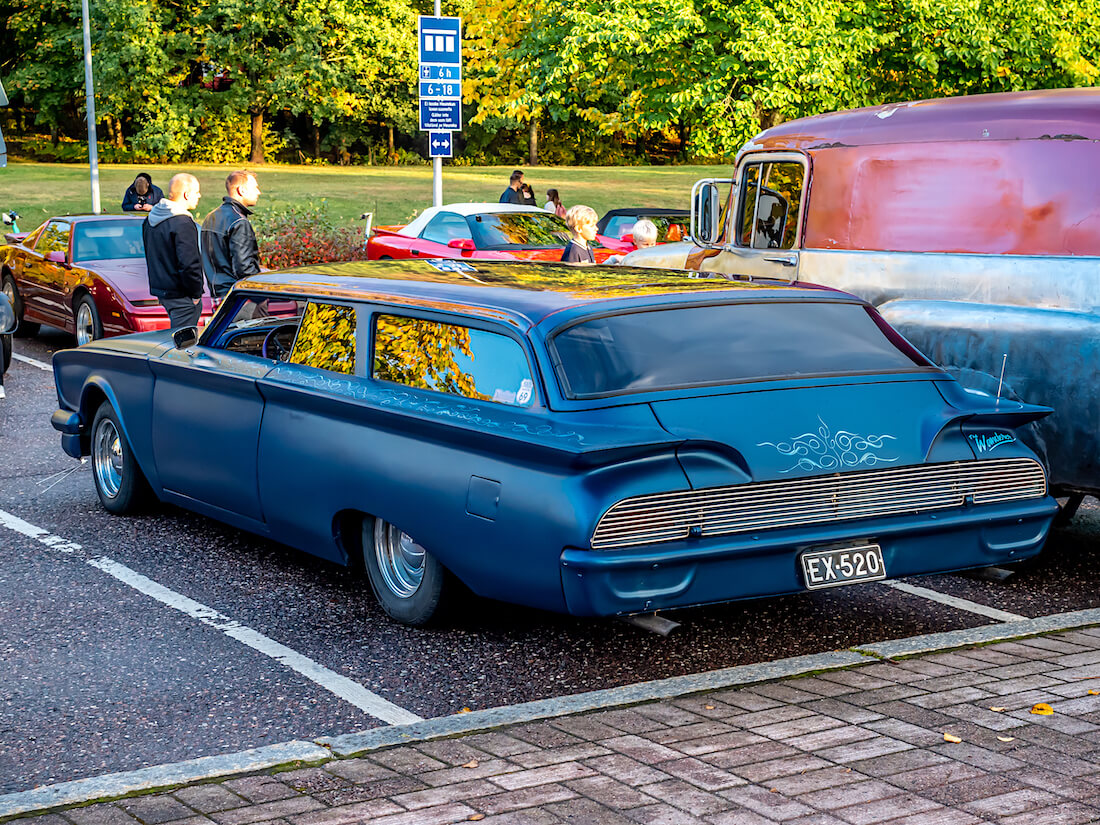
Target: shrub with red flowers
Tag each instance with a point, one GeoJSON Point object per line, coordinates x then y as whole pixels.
{"type": "Point", "coordinates": [304, 235]}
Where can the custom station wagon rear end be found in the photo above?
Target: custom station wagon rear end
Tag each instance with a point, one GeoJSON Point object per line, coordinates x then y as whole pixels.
{"type": "Point", "coordinates": [596, 441]}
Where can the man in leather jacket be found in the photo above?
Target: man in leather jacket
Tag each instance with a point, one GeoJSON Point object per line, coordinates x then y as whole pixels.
{"type": "Point", "coordinates": [229, 244]}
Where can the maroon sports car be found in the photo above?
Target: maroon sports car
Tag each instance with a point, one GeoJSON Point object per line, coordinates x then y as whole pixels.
{"type": "Point", "coordinates": [84, 274]}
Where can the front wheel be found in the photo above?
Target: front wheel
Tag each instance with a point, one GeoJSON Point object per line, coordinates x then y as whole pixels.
{"type": "Point", "coordinates": [88, 326]}
{"type": "Point", "coordinates": [408, 581]}
{"type": "Point", "coordinates": [119, 481]}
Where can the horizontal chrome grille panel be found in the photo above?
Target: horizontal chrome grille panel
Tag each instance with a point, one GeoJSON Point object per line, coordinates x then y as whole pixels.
{"type": "Point", "coordinates": [769, 505]}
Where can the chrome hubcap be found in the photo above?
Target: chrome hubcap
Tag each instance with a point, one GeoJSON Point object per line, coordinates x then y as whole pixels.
{"type": "Point", "coordinates": [9, 291]}
{"type": "Point", "coordinates": [107, 458]}
{"type": "Point", "coordinates": [400, 559]}
{"type": "Point", "coordinates": [85, 330]}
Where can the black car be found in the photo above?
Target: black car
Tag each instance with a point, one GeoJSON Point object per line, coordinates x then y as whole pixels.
{"type": "Point", "coordinates": [672, 224]}
{"type": "Point", "coordinates": [7, 327]}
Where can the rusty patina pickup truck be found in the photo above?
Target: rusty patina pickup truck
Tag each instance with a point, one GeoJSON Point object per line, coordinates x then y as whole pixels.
{"type": "Point", "coordinates": [972, 223]}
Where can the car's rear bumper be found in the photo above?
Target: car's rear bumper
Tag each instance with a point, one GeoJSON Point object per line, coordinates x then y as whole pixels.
{"type": "Point", "coordinates": [686, 573]}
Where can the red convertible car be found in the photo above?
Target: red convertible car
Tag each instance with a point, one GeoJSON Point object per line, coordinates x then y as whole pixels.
{"type": "Point", "coordinates": [84, 274]}
{"type": "Point", "coordinates": [483, 231]}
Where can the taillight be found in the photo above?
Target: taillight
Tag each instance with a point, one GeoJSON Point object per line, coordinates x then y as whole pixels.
{"type": "Point", "coordinates": [147, 323]}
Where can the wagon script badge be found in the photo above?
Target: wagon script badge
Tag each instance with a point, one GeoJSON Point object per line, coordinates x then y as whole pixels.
{"type": "Point", "coordinates": [825, 450]}
{"type": "Point", "coordinates": [988, 442]}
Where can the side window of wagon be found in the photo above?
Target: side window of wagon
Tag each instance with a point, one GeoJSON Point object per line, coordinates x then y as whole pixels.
{"type": "Point", "coordinates": [769, 206]}
{"type": "Point", "coordinates": [327, 338]}
{"type": "Point", "coordinates": [453, 359]}
{"type": "Point", "coordinates": [255, 324]}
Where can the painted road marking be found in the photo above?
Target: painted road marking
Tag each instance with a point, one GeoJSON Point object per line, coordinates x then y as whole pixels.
{"type": "Point", "coordinates": [42, 365]}
{"type": "Point", "coordinates": [343, 687]}
{"type": "Point", "coordinates": [954, 601]}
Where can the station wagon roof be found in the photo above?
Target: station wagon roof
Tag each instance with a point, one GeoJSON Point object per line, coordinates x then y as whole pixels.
{"type": "Point", "coordinates": [522, 293]}
{"type": "Point", "coordinates": [1050, 114]}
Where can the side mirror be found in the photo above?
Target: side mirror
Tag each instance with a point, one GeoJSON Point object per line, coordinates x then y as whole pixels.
{"type": "Point", "coordinates": [706, 212]}
{"type": "Point", "coordinates": [461, 243]}
{"type": "Point", "coordinates": [186, 337]}
{"type": "Point", "coordinates": [56, 257]}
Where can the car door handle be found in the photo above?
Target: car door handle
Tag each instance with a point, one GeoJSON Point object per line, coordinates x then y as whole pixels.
{"type": "Point", "coordinates": [785, 260]}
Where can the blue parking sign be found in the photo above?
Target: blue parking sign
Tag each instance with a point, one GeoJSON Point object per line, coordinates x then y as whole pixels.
{"type": "Point", "coordinates": [440, 40]}
{"type": "Point", "coordinates": [439, 145]}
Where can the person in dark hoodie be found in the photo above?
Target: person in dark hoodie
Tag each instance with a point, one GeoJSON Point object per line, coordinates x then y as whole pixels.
{"type": "Point", "coordinates": [141, 196]}
{"type": "Point", "coordinates": [229, 244]}
{"type": "Point", "coordinates": [172, 252]}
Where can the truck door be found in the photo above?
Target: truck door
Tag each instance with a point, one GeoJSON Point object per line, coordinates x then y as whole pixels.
{"type": "Point", "coordinates": [763, 228]}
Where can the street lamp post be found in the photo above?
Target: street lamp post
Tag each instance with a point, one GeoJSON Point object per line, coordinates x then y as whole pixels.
{"type": "Point", "coordinates": [437, 163]}
{"type": "Point", "coordinates": [89, 97]}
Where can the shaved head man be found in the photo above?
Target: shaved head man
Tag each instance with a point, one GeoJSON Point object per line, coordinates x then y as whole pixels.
{"type": "Point", "coordinates": [172, 252]}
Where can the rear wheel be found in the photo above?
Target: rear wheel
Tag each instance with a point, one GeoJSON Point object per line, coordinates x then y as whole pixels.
{"type": "Point", "coordinates": [121, 485]}
{"type": "Point", "coordinates": [26, 328]}
{"type": "Point", "coordinates": [408, 581]}
{"type": "Point", "coordinates": [88, 326]}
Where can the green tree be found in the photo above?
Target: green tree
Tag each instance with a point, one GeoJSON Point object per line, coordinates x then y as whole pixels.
{"type": "Point", "coordinates": [44, 68]}
{"type": "Point", "coordinates": [316, 57]}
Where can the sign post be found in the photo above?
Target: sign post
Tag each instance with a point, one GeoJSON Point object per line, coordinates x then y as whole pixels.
{"type": "Point", "coordinates": [89, 97]}
{"type": "Point", "coordinates": [3, 154]}
{"type": "Point", "coordinates": [440, 49]}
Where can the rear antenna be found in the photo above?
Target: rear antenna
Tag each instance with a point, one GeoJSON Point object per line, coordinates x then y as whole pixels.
{"type": "Point", "coordinates": [1001, 380]}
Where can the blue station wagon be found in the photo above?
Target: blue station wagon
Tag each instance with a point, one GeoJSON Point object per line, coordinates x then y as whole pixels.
{"type": "Point", "coordinates": [591, 440]}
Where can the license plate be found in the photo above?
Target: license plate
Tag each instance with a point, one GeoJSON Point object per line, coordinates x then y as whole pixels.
{"type": "Point", "coordinates": [846, 565]}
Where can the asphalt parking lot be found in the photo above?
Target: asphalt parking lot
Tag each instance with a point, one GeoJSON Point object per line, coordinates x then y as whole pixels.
{"type": "Point", "coordinates": [137, 641]}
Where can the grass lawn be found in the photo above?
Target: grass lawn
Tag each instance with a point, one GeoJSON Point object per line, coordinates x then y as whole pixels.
{"type": "Point", "coordinates": [394, 193]}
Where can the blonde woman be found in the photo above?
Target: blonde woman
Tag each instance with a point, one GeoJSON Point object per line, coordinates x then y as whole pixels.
{"type": "Point", "coordinates": [581, 221]}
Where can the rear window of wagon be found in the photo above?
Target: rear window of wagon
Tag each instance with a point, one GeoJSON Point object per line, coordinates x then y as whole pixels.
{"type": "Point", "coordinates": [667, 349]}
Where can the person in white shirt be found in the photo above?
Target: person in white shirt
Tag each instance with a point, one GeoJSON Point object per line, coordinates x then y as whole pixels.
{"type": "Point", "coordinates": [553, 203]}
{"type": "Point", "coordinates": [645, 235]}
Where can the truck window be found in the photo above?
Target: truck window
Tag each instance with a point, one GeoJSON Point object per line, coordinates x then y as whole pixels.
{"type": "Point", "coordinates": [769, 210]}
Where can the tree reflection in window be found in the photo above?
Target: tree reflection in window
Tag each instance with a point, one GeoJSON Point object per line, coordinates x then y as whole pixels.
{"type": "Point", "coordinates": [421, 353]}
{"type": "Point", "coordinates": [54, 238]}
{"type": "Point", "coordinates": [326, 338]}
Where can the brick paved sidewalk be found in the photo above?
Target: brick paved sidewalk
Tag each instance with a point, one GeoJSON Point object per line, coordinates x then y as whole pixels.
{"type": "Point", "coordinates": [850, 747]}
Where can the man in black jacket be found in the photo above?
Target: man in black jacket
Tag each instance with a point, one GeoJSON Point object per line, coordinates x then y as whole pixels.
{"type": "Point", "coordinates": [172, 252]}
{"type": "Point", "coordinates": [229, 244]}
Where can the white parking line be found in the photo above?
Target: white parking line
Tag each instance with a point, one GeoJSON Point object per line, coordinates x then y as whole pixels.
{"type": "Point", "coordinates": [957, 603]}
{"type": "Point", "coordinates": [341, 686]}
{"type": "Point", "coordinates": [42, 365]}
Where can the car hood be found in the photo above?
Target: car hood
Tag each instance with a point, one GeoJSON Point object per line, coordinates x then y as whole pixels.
{"type": "Point", "coordinates": [128, 276]}
{"type": "Point", "coordinates": [810, 430]}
